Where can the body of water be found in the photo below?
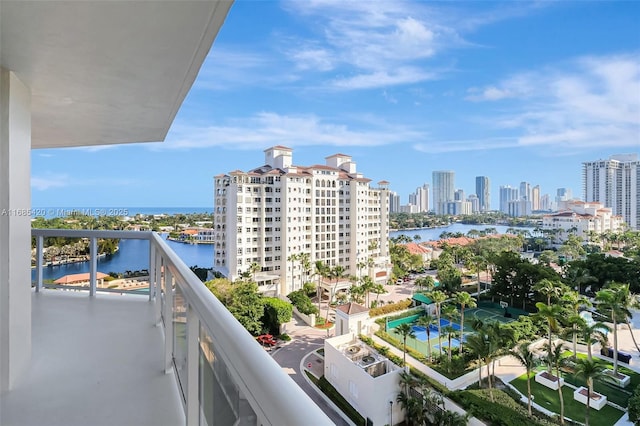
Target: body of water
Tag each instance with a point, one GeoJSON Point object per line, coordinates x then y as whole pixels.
{"type": "Point", "coordinates": [432, 234]}
{"type": "Point", "coordinates": [134, 256]}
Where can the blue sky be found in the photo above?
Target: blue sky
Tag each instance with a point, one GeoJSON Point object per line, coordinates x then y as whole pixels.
{"type": "Point", "coordinates": [517, 91]}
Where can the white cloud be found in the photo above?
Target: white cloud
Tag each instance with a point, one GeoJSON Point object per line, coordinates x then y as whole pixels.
{"type": "Point", "coordinates": [586, 102]}
{"type": "Point", "coordinates": [49, 180]}
{"type": "Point", "coordinates": [267, 129]}
{"type": "Point", "coordinates": [442, 146]}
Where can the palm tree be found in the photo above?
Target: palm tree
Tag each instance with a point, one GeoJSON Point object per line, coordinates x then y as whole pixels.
{"type": "Point", "coordinates": [588, 370]}
{"type": "Point", "coordinates": [438, 297]}
{"type": "Point", "coordinates": [548, 288]}
{"type": "Point", "coordinates": [405, 330]}
{"type": "Point", "coordinates": [449, 332]}
{"type": "Point", "coordinates": [573, 301]}
{"type": "Point", "coordinates": [549, 313]}
{"type": "Point", "coordinates": [555, 357]}
{"type": "Point", "coordinates": [464, 299]}
{"type": "Point", "coordinates": [426, 321]}
{"type": "Point", "coordinates": [480, 345]}
{"type": "Point", "coordinates": [610, 302]}
{"type": "Point", "coordinates": [322, 271]}
{"type": "Point", "coordinates": [293, 258]}
{"type": "Point", "coordinates": [526, 357]}
{"type": "Point", "coordinates": [592, 334]}
{"type": "Point", "coordinates": [254, 269]}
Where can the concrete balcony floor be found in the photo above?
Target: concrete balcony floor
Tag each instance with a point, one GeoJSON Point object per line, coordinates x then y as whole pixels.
{"type": "Point", "coordinates": [96, 361]}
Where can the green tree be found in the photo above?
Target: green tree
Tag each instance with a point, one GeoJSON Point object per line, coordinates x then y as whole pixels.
{"type": "Point", "coordinates": [405, 331]}
{"type": "Point", "coordinates": [550, 314]}
{"type": "Point", "coordinates": [589, 370]}
{"type": "Point", "coordinates": [527, 359]}
{"type": "Point", "coordinates": [276, 313]}
{"type": "Point", "coordinates": [556, 358]}
{"type": "Point", "coordinates": [610, 302]}
{"type": "Point", "coordinates": [438, 297]}
{"type": "Point", "coordinates": [465, 300]}
{"type": "Point", "coordinates": [427, 321]}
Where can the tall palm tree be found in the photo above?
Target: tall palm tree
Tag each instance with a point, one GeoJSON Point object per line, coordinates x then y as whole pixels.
{"type": "Point", "coordinates": [293, 258]}
{"type": "Point", "coordinates": [556, 358]}
{"type": "Point", "coordinates": [426, 321]}
{"type": "Point", "coordinates": [322, 271]}
{"type": "Point", "coordinates": [527, 358]}
{"type": "Point", "coordinates": [464, 299]}
{"type": "Point", "coordinates": [480, 345]}
{"type": "Point", "coordinates": [592, 334]}
{"type": "Point", "coordinates": [438, 297]}
{"type": "Point", "coordinates": [549, 288]}
{"type": "Point", "coordinates": [550, 314]}
{"type": "Point", "coordinates": [588, 370]}
{"type": "Point", "coordinates": [610, 302]}
{"type": "Point", "coordinates": [406, 331]}
{"type": "Point", "coordinates": [573, 301]}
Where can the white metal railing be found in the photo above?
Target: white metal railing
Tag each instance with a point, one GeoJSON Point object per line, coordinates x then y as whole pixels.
{"type": "Point", "coordinates": [225, 377]}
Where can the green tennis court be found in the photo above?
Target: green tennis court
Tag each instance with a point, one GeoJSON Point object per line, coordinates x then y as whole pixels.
{"type": "Point", "coordinates": [485, 314]}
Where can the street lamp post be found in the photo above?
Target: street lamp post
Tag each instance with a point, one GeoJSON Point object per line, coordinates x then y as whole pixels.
{"type": "Point", "coordinates": [391, 412]}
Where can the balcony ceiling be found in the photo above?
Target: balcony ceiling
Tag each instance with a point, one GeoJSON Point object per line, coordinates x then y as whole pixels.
{"type": "Point", "coordinates": [104, 71]}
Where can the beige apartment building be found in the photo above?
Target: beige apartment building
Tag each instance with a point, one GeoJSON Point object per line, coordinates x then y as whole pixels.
{"type": "Point", "coordinates": [283, 218]}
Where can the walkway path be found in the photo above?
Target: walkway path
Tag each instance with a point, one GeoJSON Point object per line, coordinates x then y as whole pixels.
{"type": "Point", "coordinates": [305, 339]}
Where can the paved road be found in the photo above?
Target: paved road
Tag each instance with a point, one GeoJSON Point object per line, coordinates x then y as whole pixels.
{"type": "Point", "coordinates": [304, 340]}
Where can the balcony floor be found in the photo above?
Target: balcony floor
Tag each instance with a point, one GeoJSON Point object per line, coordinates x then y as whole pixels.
{"type": "Point", "coordinates": [96, 361]}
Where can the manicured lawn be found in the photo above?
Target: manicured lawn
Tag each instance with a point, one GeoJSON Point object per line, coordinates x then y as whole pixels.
{"type": "Point", "coordinates": [614, 393]}
{"type": "Point", "coordinates": [549, 399]}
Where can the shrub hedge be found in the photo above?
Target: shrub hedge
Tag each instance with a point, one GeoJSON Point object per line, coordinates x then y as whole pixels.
{"type": "Point", "coordinates": [503, 412]}
{"type": "Point", "coordinates": [386, 309]}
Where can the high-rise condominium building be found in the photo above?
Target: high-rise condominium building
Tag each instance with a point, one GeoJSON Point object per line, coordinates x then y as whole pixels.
{"type": "Point", "coordinates": [279, 219]}
{"type": "Point", "coordinates": [443, 190]}
{"type": "Point", "coordinates": [616, 184]}
{"type": "Point", "coordinates": [507, 193]}
{"type": "Point", "coordinates": [535, 198]}
{"type": "Point", "coordinates": [525, 191]}
{"type": "Point", "coordinates": [483, 192]}
{"type": "Point", "coordinates": [394, 202]}
{"type": "Point", "coordinates": [422, 198]}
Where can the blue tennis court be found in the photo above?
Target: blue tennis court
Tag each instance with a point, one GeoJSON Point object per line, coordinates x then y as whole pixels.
{"type": "Point", "coordinates": [421, 333]}
{"type": "Point", "coordinates": [444, 323]}
{"type": "Point", "coordinates": [455, 343]}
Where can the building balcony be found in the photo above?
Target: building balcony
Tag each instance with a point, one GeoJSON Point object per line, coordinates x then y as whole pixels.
{"type": "Point", "coordinates": [173, 356]}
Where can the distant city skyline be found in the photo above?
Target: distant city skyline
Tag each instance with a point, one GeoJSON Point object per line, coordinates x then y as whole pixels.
{"type": "Point", "coordinates": [517, 92]}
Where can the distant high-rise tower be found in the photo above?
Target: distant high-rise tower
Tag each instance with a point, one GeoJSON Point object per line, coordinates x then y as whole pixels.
{"type": "Point", "coordinates": [394, 202]}
{"type": "Point", "coordinates": [615, 183]}
{"type": "Point", "coordinates": [507, 194]}
{"type": "Point", "coordinates": [459, 195]}
{"type": "Point", "coordinates": [483, 193]}
{"type": "Point", "coordinates": [420, 198]}
{"type": "Point", "coordinates": [535, 198]}
{"type": "Point", "coordinates": [443, 190]}
{"type": "Point", "coordinates": [525, 191]}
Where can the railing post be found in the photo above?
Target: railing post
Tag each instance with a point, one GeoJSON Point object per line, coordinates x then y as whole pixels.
{"type": "Point", "coordinates": [159, 280]}
{"type": "Point", "coordinates": [152, 270]}
{"type": "Point", "coordinates": [93, 268]}
{"type": "Point", "coordinates": [168, 320]}
{"type": "Point", "coordinates": [39, 261]}
{"type": "Point", "coordinates": [193, 367]}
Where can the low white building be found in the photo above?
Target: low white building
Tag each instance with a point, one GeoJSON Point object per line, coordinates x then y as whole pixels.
{"type": "Point", "coordinates": [352, 318]}
{"type": "Point", "coordinates": [366, 379]}
{"type": "Point", "coordinates": [582, 219]}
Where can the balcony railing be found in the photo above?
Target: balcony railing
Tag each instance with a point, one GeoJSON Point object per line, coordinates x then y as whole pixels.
{"type": "Point", "coordinates": [224, 376]}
